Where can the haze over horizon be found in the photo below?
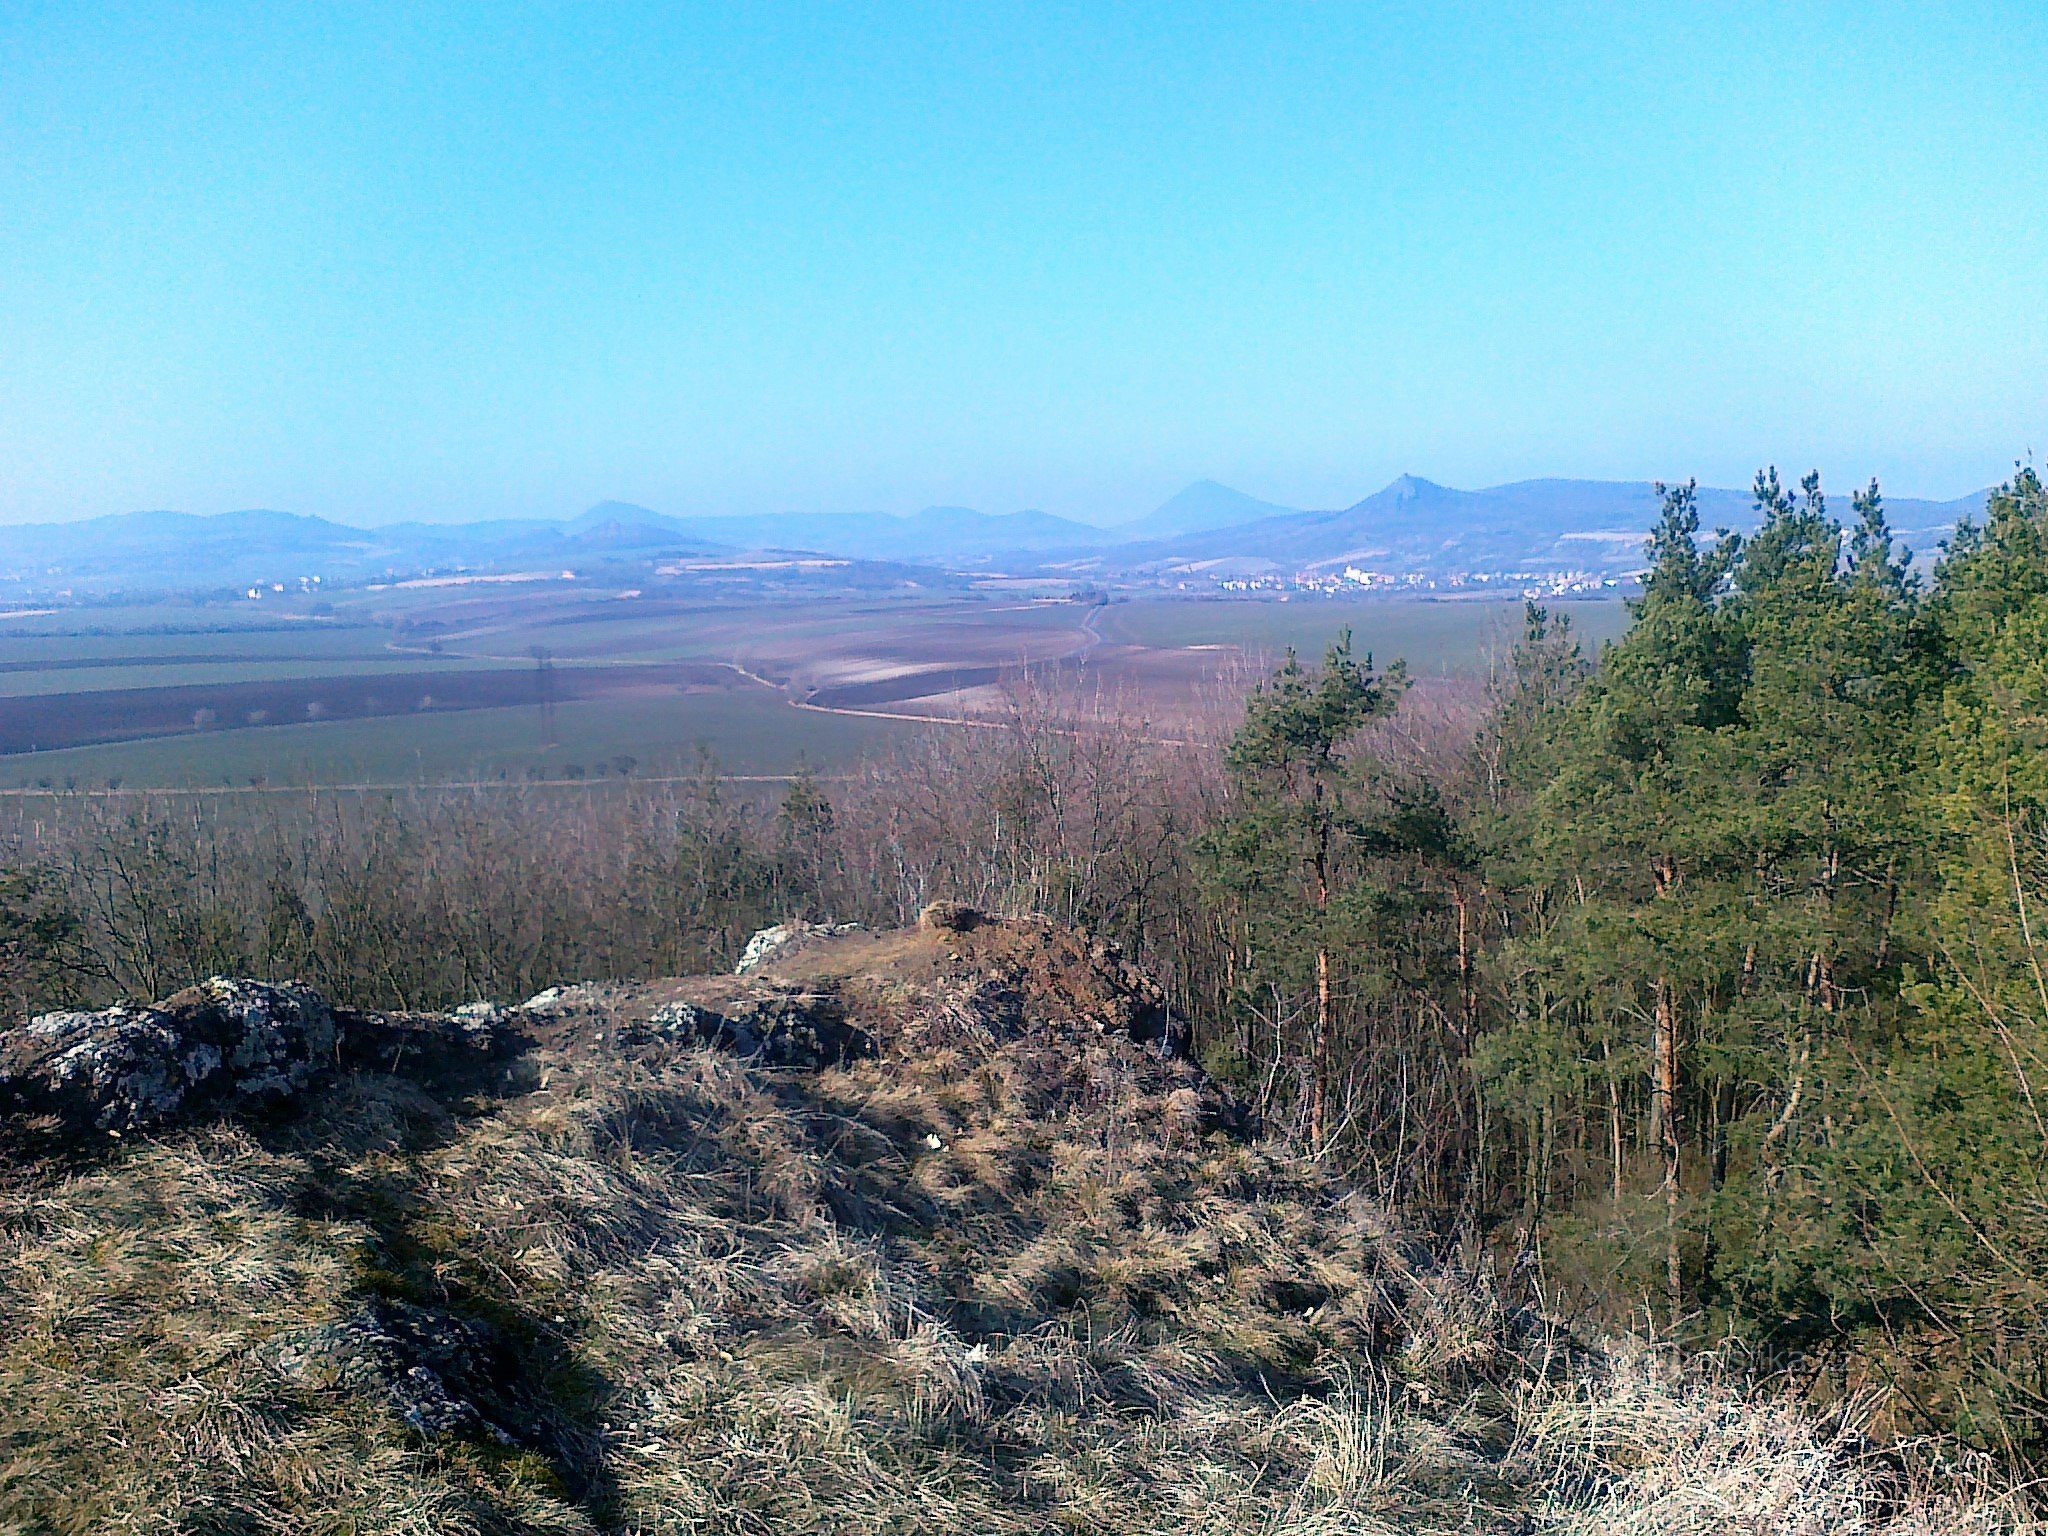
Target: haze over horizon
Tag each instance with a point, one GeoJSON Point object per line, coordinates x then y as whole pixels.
{"type": "Point", "coordinates": [1221, 506]}
{"type": "Point", "coordinates": [384, 264]}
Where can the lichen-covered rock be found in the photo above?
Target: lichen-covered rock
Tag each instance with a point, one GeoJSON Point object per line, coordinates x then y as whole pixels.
{"type": "Point", "coordinates": [567, 999]}
{"type": "Point", "coordinates": [121, 1068]}
{"type": "Point", "coordinates": [426, 1364]}
{"type": "Point", "coordinates": [771, 942]}
{"type": "Point", "coordinates": [225, 1044]}
{"type": "Point", "coordinates": [816, 996]}
{"type": "Point", "coordinates": [428, 1044]}
{"type": "Point", "coordinates": [778, 1027]}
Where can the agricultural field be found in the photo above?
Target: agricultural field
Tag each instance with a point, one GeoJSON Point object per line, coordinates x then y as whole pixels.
{"type": "Point", "coordinates": [744, 734]}
{"type": "Point", "coordinates": [1435, 639]}
{"type": "Point", "coordinates": [576, 681]}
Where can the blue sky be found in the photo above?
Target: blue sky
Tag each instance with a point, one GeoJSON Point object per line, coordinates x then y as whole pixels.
{"type": "Point", "coordinates": [419, 260]}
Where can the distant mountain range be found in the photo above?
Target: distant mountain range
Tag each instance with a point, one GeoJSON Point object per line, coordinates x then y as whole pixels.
{"type": "Point", "coordinates": [933, 535]}
{"type": "Point", "coordinates": [1202, 508]}
{"type": "Point", "coordinates": [1413, 525]}
{"type": "Point", "coordinates": [1530, 525]}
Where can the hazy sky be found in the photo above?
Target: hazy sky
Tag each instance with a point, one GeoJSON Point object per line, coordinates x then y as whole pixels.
{"type": "Point", "coordinates": [384, 261]}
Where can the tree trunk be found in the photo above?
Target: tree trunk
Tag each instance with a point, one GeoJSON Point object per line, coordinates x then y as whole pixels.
{"type": "Point", "coordinates": [1319, 1049]}
{"type": "Point", "coordinates": [1891, 910]}
{"type": "Point", "coordinates": [1613, 1119]}
{"type": "Point", "coordinates": [1664, 1112]}
{"type": "Point", "coordinates": [1664, 1101]}
{"type": "Point", "coordinates": [1468, 1001]}
{"type": "Point", "coordinates": [1320, 1066]}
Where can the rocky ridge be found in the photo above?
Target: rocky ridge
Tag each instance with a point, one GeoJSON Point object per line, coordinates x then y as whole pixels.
{"type": "Point", "coordinates": [936, 1229]}
{"type": "Point", "coordinates": [231, 1044]}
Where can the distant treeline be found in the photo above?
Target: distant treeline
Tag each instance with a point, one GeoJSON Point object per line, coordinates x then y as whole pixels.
{"type": "Point", "coordinates": [1707, 980]}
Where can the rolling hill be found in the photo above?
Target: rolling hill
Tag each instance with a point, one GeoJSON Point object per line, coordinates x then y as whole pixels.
{"type": "Point", "coordinates": [1416, 524]}
{"type": "Point", "coordinates": [1413, 525]}
{"type": "Point", "coordinates": [1200, 508]}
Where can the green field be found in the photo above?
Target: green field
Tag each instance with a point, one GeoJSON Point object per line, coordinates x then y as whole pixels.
{"type": "Point", "coordinates": [1440, 639]}
{"type": "Point", "coordinates": [747, 727]}
{"type": "Point", "coordinates": [746, 733]}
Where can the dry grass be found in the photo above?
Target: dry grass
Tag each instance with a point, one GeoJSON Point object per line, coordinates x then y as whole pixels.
{"type": "Point", "coordinates": [980, 1288]}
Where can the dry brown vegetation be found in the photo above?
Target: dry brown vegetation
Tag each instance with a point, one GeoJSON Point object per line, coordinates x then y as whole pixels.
{"type": "Point", "coordinates": [1062, 802]}
{"type": "Point", "coordinates": [1015, 1273]}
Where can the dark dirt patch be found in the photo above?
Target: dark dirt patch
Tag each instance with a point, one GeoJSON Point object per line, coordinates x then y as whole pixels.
{"type": "Point", "coordinates": [44, 722]}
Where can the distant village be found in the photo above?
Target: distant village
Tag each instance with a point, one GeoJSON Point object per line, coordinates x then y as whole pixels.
{"type": "Point", "coordinates": [1354, 580]}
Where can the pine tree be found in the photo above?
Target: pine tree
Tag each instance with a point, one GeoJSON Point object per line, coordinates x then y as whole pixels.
{"type": "Point", "coordinates": [1294, 801]}
{"type": "Point", "coordinates": [1640, 815]}
{"type": "Point", "coordinates": [1947, 1153]}
{"type": "Point", "coordinates": [1771, 887]}
{"type": "Point", "coordinates": [1826, 742]}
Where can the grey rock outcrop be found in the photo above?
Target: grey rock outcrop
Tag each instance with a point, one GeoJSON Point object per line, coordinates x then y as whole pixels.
{"type": "Point", "coordinates": [226, 1044]}
{"type": "Point", "coordinates": [816, 996]}
{"type": "Point", "coordinates": [429, 1364]}
{"type": "Point", "coordinates": [778, 1027]}
{"type": "Point", "coordinates": [121, 1068]}
{"type": "Point", "coordinates": [769, 943]}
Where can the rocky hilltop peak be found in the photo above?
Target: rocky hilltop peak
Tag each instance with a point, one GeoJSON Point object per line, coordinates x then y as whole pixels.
{"type": "Point", "coordinates": [933, 1229]}
{"type": "Point", "coordinates": [803, 996]}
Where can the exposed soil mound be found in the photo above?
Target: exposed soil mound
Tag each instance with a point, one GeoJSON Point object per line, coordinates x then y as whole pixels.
{"type": "Point", "coordinates": [933, 1230]}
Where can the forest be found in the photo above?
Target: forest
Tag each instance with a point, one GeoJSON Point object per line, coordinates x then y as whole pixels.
{"type": "Point", "coordinates": [1693, 984]}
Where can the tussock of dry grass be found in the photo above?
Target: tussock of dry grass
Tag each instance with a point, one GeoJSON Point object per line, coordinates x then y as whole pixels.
{"type": "Point", "coordinates": [675, 1294]}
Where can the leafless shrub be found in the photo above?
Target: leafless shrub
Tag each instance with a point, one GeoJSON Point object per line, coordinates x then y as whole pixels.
{"type": "Point", "coordinates": [406, 900]}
